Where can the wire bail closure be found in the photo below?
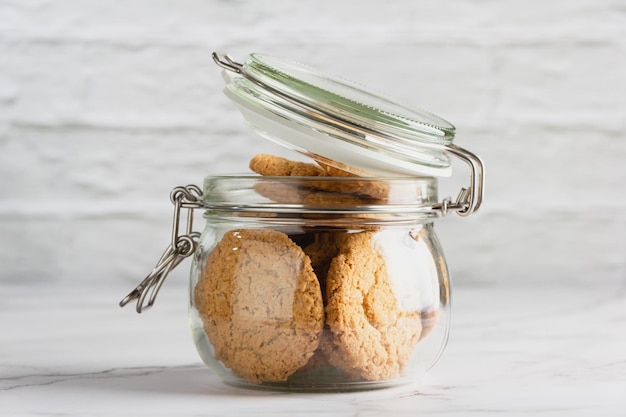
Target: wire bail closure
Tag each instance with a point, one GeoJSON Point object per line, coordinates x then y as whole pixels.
{"type": "Point", "coordinates": [180, 247]}
{"type": "Point", "coordinates": [469, 199]}
{"type": "Point", "coordinates": [227, 62]}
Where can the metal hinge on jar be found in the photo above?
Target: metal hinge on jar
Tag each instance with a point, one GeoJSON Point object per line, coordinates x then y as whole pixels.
{"type": "Point", "coordinates": [180, 247]}
{"type": "Point", "coordinates": [469, 199]}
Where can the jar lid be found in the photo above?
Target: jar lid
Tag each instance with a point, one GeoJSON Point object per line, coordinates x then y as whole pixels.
{"type": "Point", "coordinates": [335, 121]}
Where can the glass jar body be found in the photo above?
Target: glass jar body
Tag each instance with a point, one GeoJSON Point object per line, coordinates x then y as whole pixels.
{"type": "Point", "coordinates": [318, 301]}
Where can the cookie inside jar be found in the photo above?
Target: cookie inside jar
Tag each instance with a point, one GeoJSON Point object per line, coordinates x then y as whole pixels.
{"type": "Point", "coordinates": [319, 300]}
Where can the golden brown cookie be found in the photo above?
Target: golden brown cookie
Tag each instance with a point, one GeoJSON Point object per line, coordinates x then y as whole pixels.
{"type": "Point", "coordinates": [283, 193]}
{"type": "Point", "coordinates": [299, 193]}
{"type": "Point", "coordinates": [335, 172]}
{"type": "Point", "coordinates": [272, 165]}
{"type": "Point", "coordinates": [367, 187]}
{"type": "Point", "coordinates": [261, 304]}
{"type": "Point", "coordinates": [355, 220]}
{"type": "Point", "coordinates": [366, 191]}
{"type": "Point", "coordinates": [321, 251]}
{"type": "Point", "coordinates": [371, 337]}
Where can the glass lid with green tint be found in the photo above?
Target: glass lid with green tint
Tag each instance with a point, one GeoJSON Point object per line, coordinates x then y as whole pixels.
{"type": "Point", "coordinates": [336, 121]}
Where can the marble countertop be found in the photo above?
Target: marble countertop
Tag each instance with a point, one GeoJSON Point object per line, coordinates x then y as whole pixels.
{"type": "Point", "coordinates": [515, 351]}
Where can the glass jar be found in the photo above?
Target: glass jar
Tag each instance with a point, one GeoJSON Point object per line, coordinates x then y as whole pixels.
{"type": "Point", "coordinates": [319, 284]}
{"type": "Point", "coordinates": [335, 282]}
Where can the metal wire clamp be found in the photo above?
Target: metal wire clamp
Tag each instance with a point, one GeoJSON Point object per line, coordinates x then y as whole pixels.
{"type": "Point", "coordinates": [469, 199]}
{"type": "Point", "coordinates": [180, 247]}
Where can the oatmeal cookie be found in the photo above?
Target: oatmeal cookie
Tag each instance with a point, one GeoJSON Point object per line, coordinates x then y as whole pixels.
{"type": "Point", "coordinates": [272, 165]}
{"type": "Point", "coordinates": [321, 251]}
{"type": "Point", "coordinates": [364, 191]}
{"type": "Point", "coordinates": [261, 304]}
{"type": "Point", "coordinates": [371, 337]}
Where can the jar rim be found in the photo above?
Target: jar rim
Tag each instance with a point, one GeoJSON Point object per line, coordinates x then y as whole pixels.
{"type": "Point", "coordinates": [254, 193]}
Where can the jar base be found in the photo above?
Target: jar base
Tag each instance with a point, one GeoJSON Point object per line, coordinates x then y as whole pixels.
{"type": "Point", "coordinates": [323, 380]}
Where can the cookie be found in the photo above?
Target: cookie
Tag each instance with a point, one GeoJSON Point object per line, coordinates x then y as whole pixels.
{"type": "Point", "coordinates": [271, 165]}
{"type": "Point", "coordinates": [321, 251]}
{"type": "Point", "coordinates": [261, 304]}
{"type": "Point", "coordinates": [366, 191]}
{"type": "Point", "coordinates": [365, 188]}
{"type": "Point", "coordinates": [372, 338]}
{"type": "Point", "coordinates": [306, 193]}
{"type": "Point", "coordinates": [335, 172]}
{"type": "Point", "coordinates": [282, 193]}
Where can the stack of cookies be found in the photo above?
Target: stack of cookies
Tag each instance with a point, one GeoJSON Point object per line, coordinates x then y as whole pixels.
{"type": "Point", "coordinates": [272, 308]}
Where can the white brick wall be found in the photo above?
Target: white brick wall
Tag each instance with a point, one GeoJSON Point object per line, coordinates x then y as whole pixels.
{"type": "Point", "coordinates": [106, 105]}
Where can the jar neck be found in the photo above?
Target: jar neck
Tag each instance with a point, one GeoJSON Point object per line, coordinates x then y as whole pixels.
{"type": "Point", "coordinates": [345, 219]}
{"type": "Point", "coordinates": [340, 195]}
